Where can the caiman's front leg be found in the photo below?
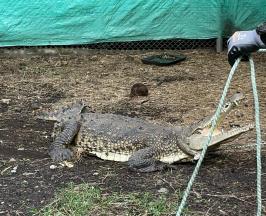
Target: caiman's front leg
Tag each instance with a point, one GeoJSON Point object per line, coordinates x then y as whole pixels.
{"type": "Point", "coordinates": [58, 150]}
{"type": "Point", "coordinates": [143, 161]}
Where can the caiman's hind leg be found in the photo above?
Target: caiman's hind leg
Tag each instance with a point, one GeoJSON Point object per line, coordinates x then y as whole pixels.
{"type": "Point", "coordinates": [58, 150]}
{"type": "Point", "coordinates": [143, 161]}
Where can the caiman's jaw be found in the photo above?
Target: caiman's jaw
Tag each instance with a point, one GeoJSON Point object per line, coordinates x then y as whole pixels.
{"type": "Point", "coordinates": [196, 141]}
{"type": "Point", "coordinates": [199, 133]}
{"type": "Point", "coordinates": [226, 108]}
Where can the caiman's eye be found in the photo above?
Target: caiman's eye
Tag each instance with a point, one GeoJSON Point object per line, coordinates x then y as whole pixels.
{"type": "Point", "coordinates": [198, 131]}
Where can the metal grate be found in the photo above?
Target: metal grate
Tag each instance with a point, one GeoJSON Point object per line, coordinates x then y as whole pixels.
{"type": "Point", "coordinates": [174, 44]}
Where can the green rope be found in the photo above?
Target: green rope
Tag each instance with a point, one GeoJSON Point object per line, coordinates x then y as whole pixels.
{"type": "Point", "coordinates": [258, 132]}
{"type": "Point", "coordinates": [214, 122]}
{"type": "Point", "coordinates": [205, 146]}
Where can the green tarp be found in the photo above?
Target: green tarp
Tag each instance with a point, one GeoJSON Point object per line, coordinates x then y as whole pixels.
{"type": "Point", "coordinates": [65, 22]}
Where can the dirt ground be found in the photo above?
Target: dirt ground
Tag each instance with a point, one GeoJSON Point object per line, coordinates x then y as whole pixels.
{"type": "Point", "coordinates": [226, 184]}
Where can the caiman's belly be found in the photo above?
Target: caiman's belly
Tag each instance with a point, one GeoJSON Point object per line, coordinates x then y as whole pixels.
{"type": "Point", "coordinates": [180, 156]}
{"type": "Point", "coordinates": [123, 150]}
{"type": "Point", "coordinates": [119, 139]}
{"type": "Point", "coordinates": [111, 156]}
{"type": "Point", "coordinates": [106, 148]}
{"type": "Point", "coordinates": [123, 157]}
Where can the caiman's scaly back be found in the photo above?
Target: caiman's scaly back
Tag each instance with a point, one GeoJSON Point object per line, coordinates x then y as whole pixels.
{"type": "Point", "coordinates": [146, 146]}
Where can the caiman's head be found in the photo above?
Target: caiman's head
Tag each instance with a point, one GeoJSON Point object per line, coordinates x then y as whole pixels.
{"type": "Point", "coordinates": [199, 132]}
{"type": "Point", "coordinates": [64, 113]}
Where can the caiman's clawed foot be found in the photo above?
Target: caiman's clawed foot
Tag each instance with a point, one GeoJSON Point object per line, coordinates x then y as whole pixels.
{"type": "Point", "coordinates": [60, 154]}
{"type": "Point", "coordinates": [143, 161]}
{"type": "Point", "coordinates": [58, 151]}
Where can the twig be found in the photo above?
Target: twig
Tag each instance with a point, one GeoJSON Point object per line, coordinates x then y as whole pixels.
{"type": "Point", "coordinates": [4, 170]}
{"type": "Point", "coordinates": [211, 208]}
{"type": "Point", "coordinates": [168, 184]}
{"type": "Point", "coordinates": [228, 196]}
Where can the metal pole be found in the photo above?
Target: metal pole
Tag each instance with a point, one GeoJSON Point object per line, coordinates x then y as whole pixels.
{"type": "Point", "coordinates": [219, 44]}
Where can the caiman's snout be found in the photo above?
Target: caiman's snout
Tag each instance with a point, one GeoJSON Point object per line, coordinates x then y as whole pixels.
{"type": "Point", "coordinates": [197, 141]}
{"type": "Point", "coordinates": [201, 131]}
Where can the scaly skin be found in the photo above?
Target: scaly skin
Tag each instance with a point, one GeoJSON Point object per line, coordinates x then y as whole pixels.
{"type": "Point", "coordinates": [144, 145]}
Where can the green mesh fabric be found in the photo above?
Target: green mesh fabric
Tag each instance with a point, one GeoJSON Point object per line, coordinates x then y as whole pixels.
{"type": "Point", "coordinates": [65, 22]}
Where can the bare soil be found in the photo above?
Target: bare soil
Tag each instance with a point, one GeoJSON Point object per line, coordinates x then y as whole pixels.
{"type": "Point", "coordinates": [226, 184]}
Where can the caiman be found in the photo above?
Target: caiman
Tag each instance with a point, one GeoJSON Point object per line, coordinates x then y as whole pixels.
{"type": "Point", "coordinates": [146, 146]}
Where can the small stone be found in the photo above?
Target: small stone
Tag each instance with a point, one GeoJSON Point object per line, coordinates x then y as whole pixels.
{"type": "Point", "coordinates": [239, 114]}
{"type": "Point", "coordinates": [49, 51]}
{"type": "Point", "coordinates": [94, 58]}
{"type": "Point", "coordinates": [163, 190]}
{"type": "Point", "coordinates": [159, 182]}
{"type": "Point", "coordinates": [2, 203]}
{"type": "Point", "coordinates": [17, 109]}
{"type": "Point", "coordinates": [62, 164]}
{"type": "Point", "coordinates": [14, 170]}
{"type": "Point", "coordinates": [21, 149]}
{"type": "Point", "coordinates": [197, 156]}
{"type": "Point", "coordinates": [52, 167]}
{"type": "Point", "coordinates": [35, 105]}
{"type": "Point", "coordinates": [223, 212]}
{"type": "Point", "coordinates": [12, 160]}
{"type": "Point", "coordinates": [68, 164]}
{"type": "Point", "coordinates": [95, 173]}
{"type": "Point", "coordinates": [6, 101]}
{"type": "Point", "coordinates": [139, 89]}
{"type": "Point", "coordinates": [27, 173]}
